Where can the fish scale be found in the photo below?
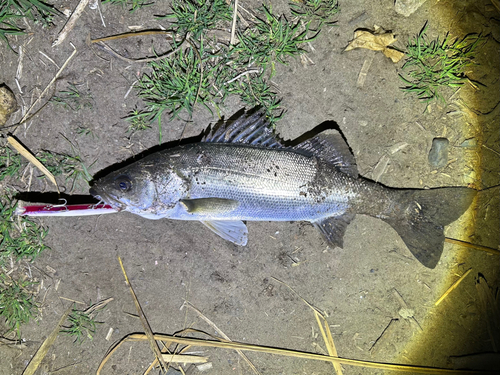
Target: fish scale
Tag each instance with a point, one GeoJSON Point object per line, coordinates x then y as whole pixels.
{"type": "Point", "coordinates": [276, 190]}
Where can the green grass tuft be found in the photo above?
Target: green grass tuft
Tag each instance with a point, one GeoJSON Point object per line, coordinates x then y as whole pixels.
{"type": "Point", "coordinates": [20, 238]}
{"type": "Point", "coordinates": [256, 92]}
{"type": "Point", "coordinates": [317, 12]}
{"type": "Point", "coordinates": [10, 163]}
{"type": "Point", "coordinates": [82, 325]}
{"type": "Point", "coordinates": [194, 17]}
{"type": "Point", "coordinates": [433, 66]}
{"type": "Point", "coordinates": [73, 99]}
{"type": "Point", "coordinates": [271, 39]}
{"type": "Point", "coordinates": [174, 84]}
{"type": "Point", "coordinates": [85, 131]}
{"type": "Point", "coordinates": [138, 121]}
{"type": "Point", "coordinates": [205, 70]}
{"type": "Point", "coordinates": [11, 11]}
{"type": "Point", "coordinates": [133, 5]}
{"type": "Point", "coordinates": [17, 305]}
{"type": "Point", "coordinates": [71, 167]}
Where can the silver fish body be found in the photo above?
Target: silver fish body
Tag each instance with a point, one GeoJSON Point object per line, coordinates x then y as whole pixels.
{"type": "Point", "coordinates": [243, 172]}
{"type": "Point", "coordinates": [268, 184]}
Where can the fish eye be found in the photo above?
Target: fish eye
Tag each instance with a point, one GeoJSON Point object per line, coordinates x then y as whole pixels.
{"type": "Point", "coordinates": [124, 183]}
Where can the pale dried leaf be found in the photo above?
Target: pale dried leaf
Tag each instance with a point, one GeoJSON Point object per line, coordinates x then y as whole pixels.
{"type": "Point", "coordinates": [380, 168]}
{"type": "Point", "coordinates": [397, 147]}
{"type": "Point", "coordinates": [368, 40]}
{"type": "Point", "coordinates": [376, 42]}
{"type": "Point", "coordinates": [393, 54]}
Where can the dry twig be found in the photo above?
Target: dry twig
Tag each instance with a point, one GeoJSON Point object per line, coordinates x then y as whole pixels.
{"type": "Point", "coordinates": [192, 341]}
{"type": "Point", "coordinates": [44, 348]}
{"type": "Point", "coordinates": [32, 159]}
{"type": "Point", "coordinates": [212, 324]}
{"type": "Point", "coordinates": [71, 22]}
{"type": "Point", "coordinates": [472, 246]}
{"type": "Point", "coordinates": [452, 287]}
{"type": "Point", "coordinates": [49, 85]}
{"type": "Point", "coordinates": [145, 323]}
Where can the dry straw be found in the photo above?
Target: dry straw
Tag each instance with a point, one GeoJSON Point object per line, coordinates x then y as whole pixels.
{"type": "Point", "coordinates": [472, 246]}
{"type": "Point", "coordinates": [224, 336]}
{"type": "Point", "coordinates": [452, 287]}
{"type": "Point", "coordinates": [32, 159]}
{"type": "Point", "coordinates": [47, 344]}
{"type": "Point", "coordinates": [216, 342]}
{"type": "Point", "coordinates": [192, 341]}
{"type": "Point", "coordinates": [323, 327]}
{"type": "Point", "coordinates": [149, 333]}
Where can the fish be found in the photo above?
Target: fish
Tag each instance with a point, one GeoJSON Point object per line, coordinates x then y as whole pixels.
{"type": "Point", "coordinates": [243, 171]}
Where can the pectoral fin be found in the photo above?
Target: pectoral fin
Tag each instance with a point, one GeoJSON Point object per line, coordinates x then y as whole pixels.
{"type": "Point", "coordinates": [234, 231]}
{"type": "Point", "coordinates": [333, 228]}
{"type": "Point", "coordinates": [209, 206]}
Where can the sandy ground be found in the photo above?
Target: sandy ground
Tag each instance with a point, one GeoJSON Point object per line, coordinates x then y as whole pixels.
{"type": "Point", "coordinates": [171, 262]}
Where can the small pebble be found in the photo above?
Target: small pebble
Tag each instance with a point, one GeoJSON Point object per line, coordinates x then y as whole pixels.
{"type": "Point", "coordinates": [8, 104]}
{"type": "Point", "coordinates": [471, 142]}
{"type": "Point", "coordinates": [407, 7]}
{"type": "Point", "coordinates": [204, 366]}
{"type": "Point", "coordinates": [438, 156]}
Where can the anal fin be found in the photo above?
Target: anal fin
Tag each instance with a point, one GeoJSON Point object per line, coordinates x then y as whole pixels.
{"type": "Point", "coordinates": [235, 231]}
{"type": "Point", "coordinates": [333, 228]}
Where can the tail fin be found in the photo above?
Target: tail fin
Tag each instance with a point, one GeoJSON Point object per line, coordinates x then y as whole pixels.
{"type": "Point", "coordinates": [421, 216]}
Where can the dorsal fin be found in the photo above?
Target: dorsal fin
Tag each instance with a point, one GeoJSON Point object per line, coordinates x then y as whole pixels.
{"type": "Point", "coordinates": [331, 147]}
{"type": "Point", "coordinates": [253, 129]}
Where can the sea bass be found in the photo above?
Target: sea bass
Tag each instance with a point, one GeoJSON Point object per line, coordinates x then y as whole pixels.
{"type": "Point", "coordinates": [243, 171]}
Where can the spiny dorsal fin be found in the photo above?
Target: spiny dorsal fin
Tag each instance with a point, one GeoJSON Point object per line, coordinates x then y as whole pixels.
{"type": "Point", "coordinates": [331, 147]}
{"type": "Point", "coordinates": [252, 129]}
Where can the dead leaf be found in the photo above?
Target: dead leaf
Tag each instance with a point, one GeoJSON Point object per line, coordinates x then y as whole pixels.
{"type": "Point", "coordinates": [376, 42]}
{"type": "Point", "coordinates": [393, 54]}
{"type": "Point", "coordinates": [366, 39]}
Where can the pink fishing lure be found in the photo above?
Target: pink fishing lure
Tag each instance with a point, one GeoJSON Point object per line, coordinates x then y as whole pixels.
{"type": "Point", "coordinates": [64, 210]}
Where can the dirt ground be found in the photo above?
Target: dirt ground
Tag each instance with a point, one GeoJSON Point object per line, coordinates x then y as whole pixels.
{"type": "Point", "coordinates": [170, 262]}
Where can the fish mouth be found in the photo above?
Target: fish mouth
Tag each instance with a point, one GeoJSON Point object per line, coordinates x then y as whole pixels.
{"type": "Point", "coordinates": [107, 199]}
